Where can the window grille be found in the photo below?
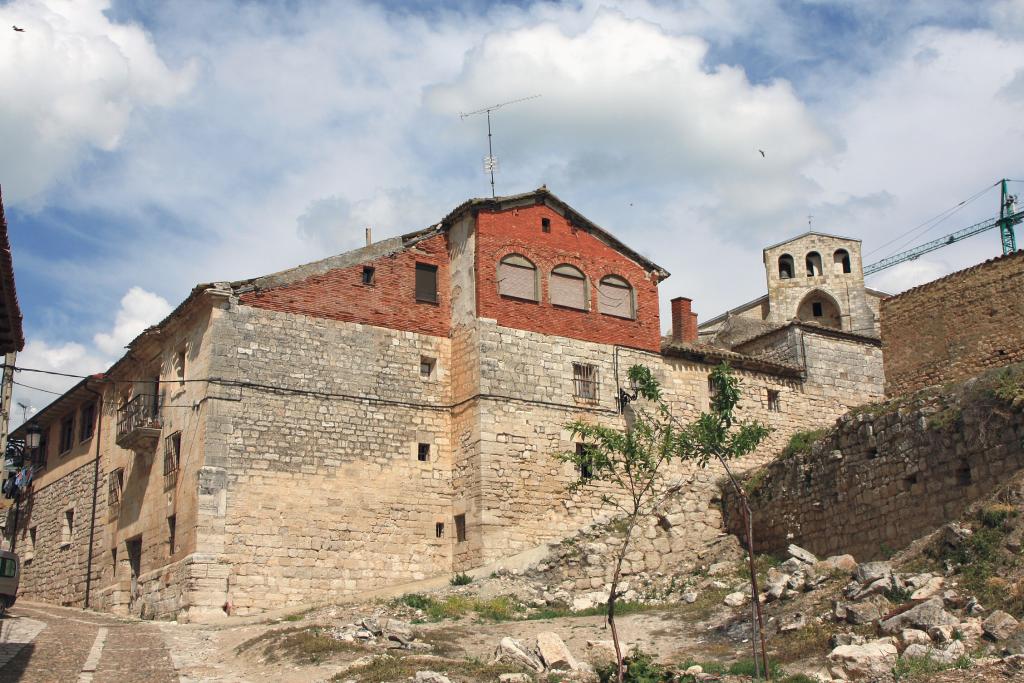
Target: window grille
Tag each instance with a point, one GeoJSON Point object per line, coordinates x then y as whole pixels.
{"type": "Point", "coordinates": [774, 404]}
{"type": "Point", "coordinates": [172, 454]}
{"type": "Point", "coordinates": [114, 484]}
{"type": "Point", "coordinates": [584, 380]}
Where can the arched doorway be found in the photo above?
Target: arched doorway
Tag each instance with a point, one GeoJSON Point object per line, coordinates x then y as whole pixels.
{"type": "Point", "coordinates": [819, 307]}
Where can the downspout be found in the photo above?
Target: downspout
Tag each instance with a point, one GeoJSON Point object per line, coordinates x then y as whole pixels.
{"type": "Point", "coordinates": [95, 487]}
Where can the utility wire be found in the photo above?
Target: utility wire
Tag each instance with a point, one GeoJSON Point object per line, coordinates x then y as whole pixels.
{"type": "Point", "coordinates": [106, 403]}
{"type": "Point", "coordinates": [932, 222]}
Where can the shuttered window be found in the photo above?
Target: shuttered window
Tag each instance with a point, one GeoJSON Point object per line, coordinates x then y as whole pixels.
{"type": "Point", "coordinates": [517, 277]}
{"type": "Point", "coordinates": [568, 287]}
{"type": "Point", "coordinates": [426, 283]}
{"type": "Point", "coordinates": [615, 297]}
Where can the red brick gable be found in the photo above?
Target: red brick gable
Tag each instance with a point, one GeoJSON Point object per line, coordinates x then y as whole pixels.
{"type": "Point", "coordinates": [389, 302]}
{"type": "Point", "coordinates": [518, 230]}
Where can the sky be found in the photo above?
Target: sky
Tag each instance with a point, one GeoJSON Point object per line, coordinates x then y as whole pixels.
{"type": "Point", "coordinates": [146, 147]}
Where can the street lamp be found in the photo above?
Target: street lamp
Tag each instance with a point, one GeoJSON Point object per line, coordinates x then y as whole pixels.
{"type": "Point", "coordinates": [33, 434]}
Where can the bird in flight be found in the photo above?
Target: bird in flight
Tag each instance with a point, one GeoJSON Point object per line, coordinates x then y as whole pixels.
{"type": "Point", "coordinates": [762, 152]}
{"type": "Point", "coordinates": [19, 30]}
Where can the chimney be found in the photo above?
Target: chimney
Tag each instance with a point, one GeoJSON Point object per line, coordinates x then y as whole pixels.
{"type": "Point", "coordinates": [681, 318]}
{"type": "Point", "coordinates": [691, 329]}
{"type": "Point", "coordinates": [369, 236]}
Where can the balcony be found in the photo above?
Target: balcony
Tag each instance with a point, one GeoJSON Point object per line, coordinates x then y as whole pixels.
{"type": "Point", "coordinates": [138, 423]}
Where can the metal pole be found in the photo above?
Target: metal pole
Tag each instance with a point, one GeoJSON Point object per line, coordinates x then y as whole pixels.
{"type": "Point", "coordinates": [490, 152]}
{"type": "Point", "coordinates": [1006, 234]}
{"type": "Point", "coordinates": [5, 417]}
{"type": "Point", "coordinates": [95, 488]}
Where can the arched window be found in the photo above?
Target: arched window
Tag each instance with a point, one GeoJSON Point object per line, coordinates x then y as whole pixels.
{"type": "Point", "coordinates": [786, 267]}
{"type": "Point", "coordinates": [568, 287]}
{"type": "Point", "coordinates": [517, 277]}
{"type": "Point", "coordinates": [841, 261]}
{"type": "Point", "coordinates": [615, 297]}
{"type": "Point", "coordinates": [813, 264]}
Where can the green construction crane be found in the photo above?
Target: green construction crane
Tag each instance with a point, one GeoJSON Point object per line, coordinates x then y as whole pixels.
{"type": "Point", "coordinates": [1008, 217]}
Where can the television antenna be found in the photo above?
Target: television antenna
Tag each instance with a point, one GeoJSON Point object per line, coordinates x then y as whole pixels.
{"type": "Point", "coordinates": [491, 161]}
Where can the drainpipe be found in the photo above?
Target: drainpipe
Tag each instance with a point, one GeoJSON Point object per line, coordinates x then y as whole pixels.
{"type": "Point", "coordinates": [95, 486]}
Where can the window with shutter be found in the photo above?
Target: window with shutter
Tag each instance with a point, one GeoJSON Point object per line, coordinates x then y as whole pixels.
{"type": "Point", "coordinates": [568, 287]}
{"type": "Point", "coordinates": [517, 277]}
{"type": "Point", "coordinates": [426, 283]}
{"type": "Point", "coordinates": [615, 297]}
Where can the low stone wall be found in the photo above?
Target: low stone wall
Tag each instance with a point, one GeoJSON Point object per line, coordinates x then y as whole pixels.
{"type": "Point", "coordinates": [890, 473]}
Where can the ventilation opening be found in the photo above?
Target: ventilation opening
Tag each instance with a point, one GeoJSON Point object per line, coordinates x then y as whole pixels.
{"type": "Point", "coordinates": [545, 225]}
{"type": "Point", "coordinates": [908, 482]}
{"type": "Point", "coordinates": [439, 529]}
{"type": "Point", "coordinates": [423, 452]}
{"type": "Point", "coordinates": [368, 273]}
{"type": "Point", "coordinates": [963, 474]}
{"type": "Point", "coordinates": [872, 453]}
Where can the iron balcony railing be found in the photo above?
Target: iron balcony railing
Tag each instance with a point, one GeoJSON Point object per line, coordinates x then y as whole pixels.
{"type": "Point", "coordinates": [142, 412]}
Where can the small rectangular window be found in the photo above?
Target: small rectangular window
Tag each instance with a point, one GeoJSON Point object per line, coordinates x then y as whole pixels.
{"type": "Point", "coordinates": [427, 367]}
{"type": "Point", "coordinates": [113, 560]}
{"type": "Point", "coordinates": [115, 484]}
{"type": "Point", "coordinates": [816, 309]}
{"type": "Point", "coordinates": [584, 381]}
{"type": "Point", "coordinates": [8, 567]}
{"type": "Point", "coordinates": [368, 272]}
{"type": "Point", "coordinates": [172, 454]}
{"type": "Point", "coordinates": [67, 433]}
{"type": "Point", "coordinates": [426, 283]}
{"type": "Point", "coordinates": [171, 524]}
{"type": "Point", "coordinates": [774, 405]}
{"type": "Point", "coordinates": [69, 528]}
{"type": "Point", "coordinates": [88, 422]}
{"type": "Point", "coordinates": [585, 467]}
{"type": "Point", "coordinates": [423, 452]}
{"type": "Point", "coordinates": [545, 225]}
{"type": "Point", "coordinates": [39, 457]}
{"type": "Point", "coordinates": [460, 528]}
{"type": "Point", "coordinates": [439, 529]}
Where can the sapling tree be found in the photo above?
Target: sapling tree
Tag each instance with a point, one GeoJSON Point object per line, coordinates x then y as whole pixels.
{"type": "Point", "coordinates": [636, 461]}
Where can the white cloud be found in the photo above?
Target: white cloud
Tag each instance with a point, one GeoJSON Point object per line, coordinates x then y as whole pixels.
{"type": "Point", "coordinates": [34, 389]}
{"type": "Point", "coordinates": [139, 310]}
{"type": "Point", "coordinates": [70, 82]}
{"type": "Point", "coordinates": [909, 274]}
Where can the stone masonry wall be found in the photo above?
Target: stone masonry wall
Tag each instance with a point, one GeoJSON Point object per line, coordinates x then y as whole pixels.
{"type": "Point", "coordinates": [324, 492]}
{"type": "Point", "coordinates": [886, 475]}
{"type": "Point", "coordinates": [54, 564]}
{"type": "Point", "coordinates": [955, 327]}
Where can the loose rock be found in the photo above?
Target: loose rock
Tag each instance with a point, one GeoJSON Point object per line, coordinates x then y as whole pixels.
{"type": "Point", "coordinates": [554, 653]}
{"type": "Point", "coordinates": [999, 625]}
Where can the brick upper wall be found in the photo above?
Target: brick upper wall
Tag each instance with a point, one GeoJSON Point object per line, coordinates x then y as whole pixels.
{"type": "Point", "coordinates": [519, 231]}
{"type": "Point", "coordinates": [389, 302]}
{"type": "Point", "coordinates": [955, 327]}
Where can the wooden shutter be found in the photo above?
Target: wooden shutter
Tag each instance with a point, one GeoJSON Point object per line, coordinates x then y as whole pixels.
{"type": "Point", "coordinates": [517, 277]}
{"type": "Point", "coordinates": [426, 282]}
{"type": "Point", "coordinates": [568, 287]}
{"type": "Point", "coordinates": [615, 297]}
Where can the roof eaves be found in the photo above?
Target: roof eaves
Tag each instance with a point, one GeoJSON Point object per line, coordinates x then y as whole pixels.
{"type": "Point", "coordinates": [10, 294]}
{"type": "Point", "coordinates": [810, 232]}
{"type": "Point", "coordinates": [711, 355]}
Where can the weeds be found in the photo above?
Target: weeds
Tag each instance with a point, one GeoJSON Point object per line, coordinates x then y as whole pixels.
{"type": "Point", "coordinates": [461, 579]}
{"type": "Point", "coordinates": [388, 668]}
{"type": "Point", "coordinates": [924, 668]}
{"type": "Point", "coordinates": [310, 645]}
{"type": "Point", "coordinates": [801, 442]}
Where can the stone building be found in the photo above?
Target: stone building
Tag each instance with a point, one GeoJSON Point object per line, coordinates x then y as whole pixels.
{"type": "Point", "coordinates": [378, 417]}
{"type": "Point", "coordinates": [815, 278]}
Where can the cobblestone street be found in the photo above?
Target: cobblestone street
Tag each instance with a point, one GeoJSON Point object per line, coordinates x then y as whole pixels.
{"type": "Point", "coordinates": [43, 643]}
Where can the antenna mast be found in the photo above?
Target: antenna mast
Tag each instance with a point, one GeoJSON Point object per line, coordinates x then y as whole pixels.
{"type": "Point", "coordinates": [491, 161]}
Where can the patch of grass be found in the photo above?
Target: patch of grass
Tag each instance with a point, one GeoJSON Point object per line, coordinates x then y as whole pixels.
{"type": "Point", "coordinates": [948, 419]}
{"type": "Point", "coordinates": [997, 515]}
{"type": "Point", "coordinates": [640, 668]}
{"type": "Point", "coordinates": [800, 443]}
{"type": "Point", "coordinates": [309, 645]}
{"type": "Point", "coordinates": [794, 646]}
{"type": "Point", "coordinates": [752, 484]}
{"type": "Point", "coordinates": [461, 579]}
{"type": "Point", "coordinates": [923, 668]}
{"type": "Point", "coordinates": [898, 596]}
{"type": "Point", "coordinates": [621, 607]}
{"type": "Point", "coordinates": [742, 667]}
{"type": "Point", "coordinates": [501, 608]}
{"type": "Point", "coordinates": [389, 668]}
{"type": "Point", "coordinates": [762, 563]}
{"type": "Point", "coordinates": [1009, 384]}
